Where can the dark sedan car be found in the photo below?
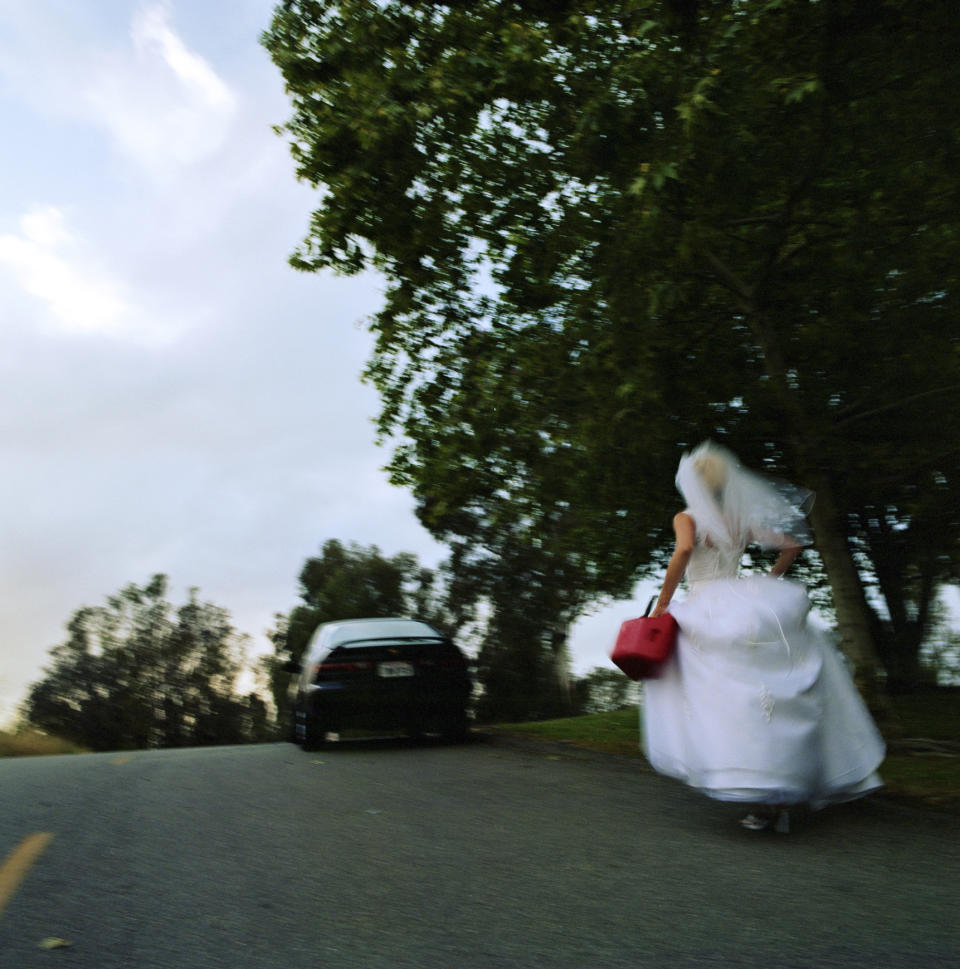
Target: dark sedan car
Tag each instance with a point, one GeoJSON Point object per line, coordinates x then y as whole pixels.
{"type": "Point", "coordinates": [379, 675]}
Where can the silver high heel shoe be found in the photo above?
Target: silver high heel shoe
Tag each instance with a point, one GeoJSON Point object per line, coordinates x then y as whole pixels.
{"type": "Point", "coordinates": [755, 822]}
{"type": "Point", "coordinates": [779, 822]}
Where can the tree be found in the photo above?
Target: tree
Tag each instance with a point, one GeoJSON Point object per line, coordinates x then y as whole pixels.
{"type": "Point", "coordinates": [605, 690]}
{"type": "Point", "coordinates": [523, 662]}
{"type": "Point", "coordinates": [135, 673]}
{"type": "Point", "coordinates": [354, 582]}
{"type": "Point", "coordinates": [609, 231]}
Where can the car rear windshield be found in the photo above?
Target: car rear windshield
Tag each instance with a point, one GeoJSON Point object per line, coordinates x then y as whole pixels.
{"type": "Point", "coordinates": [419, 651]}
{"type": "Point", "coordinates": [381, 629]}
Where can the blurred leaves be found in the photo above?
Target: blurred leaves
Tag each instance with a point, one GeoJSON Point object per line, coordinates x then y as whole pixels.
{"type": "Point", "coordinates": [607, 233]}
{"type": "Point", "coordinates": [357, 582]}
{"type": "Point", "coordinates": [603, 690]}
{"type": "Point", "coordinates": [138, 673]}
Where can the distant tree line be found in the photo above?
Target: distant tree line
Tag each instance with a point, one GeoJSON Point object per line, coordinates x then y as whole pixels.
{"type": "Point", "coordinates": [351, 582]}
{"type": "Point", "coordinates": [138, 672]}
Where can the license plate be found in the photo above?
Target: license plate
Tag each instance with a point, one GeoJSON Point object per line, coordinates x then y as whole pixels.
{"type": "Point", "coordinates": [391, 670]}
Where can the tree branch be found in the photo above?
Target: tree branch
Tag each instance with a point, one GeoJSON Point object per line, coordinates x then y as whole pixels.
{"type": "Point", "coordinates": [897, 404]}
{"type": "Point", "coordinates": [735, 284]}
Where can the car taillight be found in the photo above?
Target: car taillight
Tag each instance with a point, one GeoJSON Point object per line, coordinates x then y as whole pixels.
{"type": "Point", "coordinates": [323, 668]}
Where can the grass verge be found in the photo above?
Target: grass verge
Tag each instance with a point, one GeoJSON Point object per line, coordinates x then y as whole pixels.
{"type": "Point", "coordinates": [927, 772]}
{"type": "Point", "coordinates": [33, 743]}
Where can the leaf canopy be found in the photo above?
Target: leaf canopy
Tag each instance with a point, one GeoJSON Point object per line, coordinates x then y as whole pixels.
{"type": "Point", "coordinates": [611, 229]}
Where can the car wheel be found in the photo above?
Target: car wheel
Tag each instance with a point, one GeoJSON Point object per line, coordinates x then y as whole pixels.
{"type": "Point", "coordinates": [455, 728]}
{"type": "Point", "coordinates": [311, 732]}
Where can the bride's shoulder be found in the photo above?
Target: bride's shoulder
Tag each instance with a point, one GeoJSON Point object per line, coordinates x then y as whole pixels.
{"type": "Point", "coordinates": [684, 526]}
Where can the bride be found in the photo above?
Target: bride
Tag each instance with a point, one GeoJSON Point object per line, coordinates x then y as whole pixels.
{"type": "Point", "coordinates": [755, 705]}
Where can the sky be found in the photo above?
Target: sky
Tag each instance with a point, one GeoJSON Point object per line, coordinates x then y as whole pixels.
{"type": "Point", "coordinates": [173, 396]}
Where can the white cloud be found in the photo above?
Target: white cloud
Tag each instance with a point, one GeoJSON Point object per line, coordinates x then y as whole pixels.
{"type": "Point", "coordinates": [163, 105]}
{"type": "Point", "coordinates": [231, 456]}
{"type": "Point", "coordinates": [152, 35]}
{"type": "Point", "coordinates": [44, 227]}
{"type": "Point", "coordinates": [49, 263]}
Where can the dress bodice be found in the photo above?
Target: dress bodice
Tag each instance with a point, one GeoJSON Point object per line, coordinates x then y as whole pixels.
{"type": "Point", "coordinates": [710, 562]}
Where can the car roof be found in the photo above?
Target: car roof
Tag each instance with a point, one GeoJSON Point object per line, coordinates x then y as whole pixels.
{"type": "Point", "coordinates": [347, 631]}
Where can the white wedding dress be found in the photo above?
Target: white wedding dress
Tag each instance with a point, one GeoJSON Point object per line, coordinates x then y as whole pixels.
{"type": "Point", "coordinates": [756, 704]}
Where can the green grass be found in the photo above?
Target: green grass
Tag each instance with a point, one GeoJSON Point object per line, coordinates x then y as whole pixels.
{"type": "Point", "coordinates": [611, 733]}
{"type": "Point", "coordinates": [934, 715]}
{"type": "Point", "coordinates": [930, 779]}
{"type": "Point", "coordinates": [934, 780]}
{"type": "Point", "coordinates": [33, 743]}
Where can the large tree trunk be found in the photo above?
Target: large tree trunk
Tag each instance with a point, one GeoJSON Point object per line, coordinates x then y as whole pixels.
{"type": "Point", "coordinates": [899, 642]}
{"type": "Point", "coordinates": [560, 655]}
{"type": "Point", "coordinates": [853, 613]}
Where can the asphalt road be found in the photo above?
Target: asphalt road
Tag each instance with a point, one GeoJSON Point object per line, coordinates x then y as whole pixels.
{"type": "Point", "coordinates": [396, 855]}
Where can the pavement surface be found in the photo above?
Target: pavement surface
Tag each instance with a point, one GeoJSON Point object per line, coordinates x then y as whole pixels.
{"type": "Point", "coordinates": [481, 856]}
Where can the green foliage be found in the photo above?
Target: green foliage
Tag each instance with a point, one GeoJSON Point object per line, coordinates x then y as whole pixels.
{"type": "Point", "coordinates": [608, 232]}
{"type": "Point", "coordinates": [604, 690]}
{"type": "Point", "coordinates": [353, 582]}
{"type": "Point", "coordinates": [617, 732]}
{"type": "Point", "coordinates": [25, 742]}
{"type": "Point", "coordinates": [522, 663]}
{"type": "Point", "coordinates": [933, 714]}
{"type": "Point", "coordinates": [940, 654]}
{"type": "Point", "coordinates": [136, 673]}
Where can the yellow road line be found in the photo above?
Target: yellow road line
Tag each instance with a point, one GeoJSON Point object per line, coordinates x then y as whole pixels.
{"type": "Point", "coordinates": [16, 866]}
{"type": "Point", "coordinates": [122, 759]}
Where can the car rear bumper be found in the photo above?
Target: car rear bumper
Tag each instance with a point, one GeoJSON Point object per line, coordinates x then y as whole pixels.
{"type": "Point", "coordinates": [388, 704]}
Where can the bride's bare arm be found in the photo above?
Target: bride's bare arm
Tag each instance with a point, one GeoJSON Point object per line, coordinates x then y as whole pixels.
{"type": "Point", "coordinates": [788, 555]}
{"type": "Point", "coordinates": [684, 528]}
{"type": "Point", "coordinates": [789, 547]}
